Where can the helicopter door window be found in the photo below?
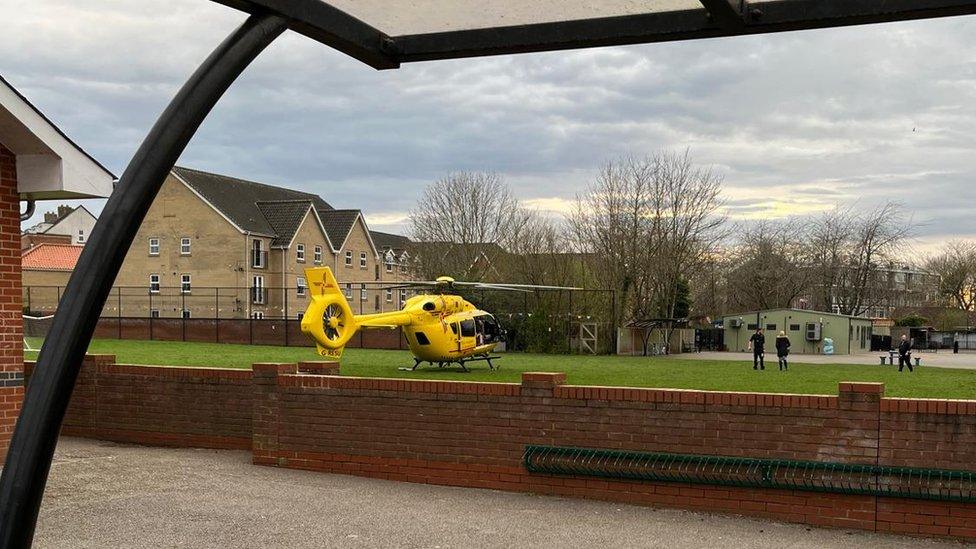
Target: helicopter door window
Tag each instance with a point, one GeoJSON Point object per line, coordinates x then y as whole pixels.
{"type": "Point", "coordinates": [422, 338]}
{"type": "Point", "coordinates": [468, 328]}
{"type": "Point", "coordinates": [454, 328]}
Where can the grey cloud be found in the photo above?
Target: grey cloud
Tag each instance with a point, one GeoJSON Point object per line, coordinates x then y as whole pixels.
{"type": "Point", "coordinates": [826, 114]}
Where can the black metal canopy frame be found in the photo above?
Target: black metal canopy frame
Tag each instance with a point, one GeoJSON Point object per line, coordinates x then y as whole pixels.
{"type": "Point", "coordinates": [35, 437]}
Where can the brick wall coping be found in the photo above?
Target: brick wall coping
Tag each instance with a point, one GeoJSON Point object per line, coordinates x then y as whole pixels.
{"type": "Point", "coordinates": [323, 374]}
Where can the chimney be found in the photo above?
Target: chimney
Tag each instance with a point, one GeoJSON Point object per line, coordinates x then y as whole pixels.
{"type": "Point", "coordinates": [51, 217]}
{"type": "Point", "coordinates": [64, 210]}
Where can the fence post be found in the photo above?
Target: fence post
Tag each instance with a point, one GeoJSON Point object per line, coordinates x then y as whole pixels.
{"type": "Point", "coordinates": [182, 312]}
{"type": "Point", "coordinates": [217, 315]}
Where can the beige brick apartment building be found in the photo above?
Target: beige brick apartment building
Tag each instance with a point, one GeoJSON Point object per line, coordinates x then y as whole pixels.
{"type": "Point", "coordinates": [214, 246]}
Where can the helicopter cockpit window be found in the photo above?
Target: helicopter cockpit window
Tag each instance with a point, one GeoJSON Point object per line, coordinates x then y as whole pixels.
{"type": "Point", "coordinates": [488, 327]}
{"type": "Point", "coordinates": [422, 338]}
{"type": "Point", "coordinates": [467, 328]}
{"type": "Point", "coordinates": [454, 327]}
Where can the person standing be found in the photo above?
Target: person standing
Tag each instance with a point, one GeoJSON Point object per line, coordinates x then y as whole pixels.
{"type": "Point", "coordinates": [782, 350]}
{"type": "Point", "coordinates": [905, 353]}
{"type": "Point", "coordinates": [757, 344]}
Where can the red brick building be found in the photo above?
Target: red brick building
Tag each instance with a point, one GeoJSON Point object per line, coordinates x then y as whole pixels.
{"type": "Point", "coordinates": [37, 162]}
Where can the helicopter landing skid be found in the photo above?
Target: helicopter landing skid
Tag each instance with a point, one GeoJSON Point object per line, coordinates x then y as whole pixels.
{"type": "Point", "coordinates": [440, 364]}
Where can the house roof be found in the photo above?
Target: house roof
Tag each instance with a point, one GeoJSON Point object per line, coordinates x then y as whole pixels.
{"type": "Point", "coordinates": [284, 217]}
{"type": "Point", "coordinates": [50, 257]}
{"type": "Point", "coordinates": [338, 223]}
{"type": "Point", "coordinates": [237, 199]}
{"type": "Point", "coordinates": [49, 164]}
{"type": "Point", "coordinates": [390, 241]}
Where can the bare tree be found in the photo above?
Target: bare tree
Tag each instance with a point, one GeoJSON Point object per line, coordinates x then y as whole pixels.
{"type": "Point", "coordinates": [829, 239]}
{"type": "Point", "coordinates": [771, 266]}
{"type": "Point", "coordinates": [647, 223]}
{"type": "Point", "coordinates": [465, 223]}
{"type": "Point", "coordinates": [956, 267]}
{"type": "Point", "coordinates": [875, 239]}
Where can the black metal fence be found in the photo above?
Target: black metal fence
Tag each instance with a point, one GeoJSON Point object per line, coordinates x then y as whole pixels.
{"type": "Point", "coordinates": [552, 321]}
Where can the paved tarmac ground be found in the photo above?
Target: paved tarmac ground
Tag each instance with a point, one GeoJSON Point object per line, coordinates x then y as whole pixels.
{"type": "Point", "coordinates": [940, 359]}
{"type": "Point", "coordinates": [106, 495]}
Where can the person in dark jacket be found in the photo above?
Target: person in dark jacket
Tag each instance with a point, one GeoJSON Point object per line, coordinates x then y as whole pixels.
{"type": "Point", "coordinates": [782, 350]}
{"type": "Point", "coordinates": [757, 344]}
{"type": "Point", "coordinates": [905, 353]}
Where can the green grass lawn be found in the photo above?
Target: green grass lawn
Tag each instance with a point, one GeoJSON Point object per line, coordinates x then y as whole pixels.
{"type": "Point", "coordinates": [581, 370]}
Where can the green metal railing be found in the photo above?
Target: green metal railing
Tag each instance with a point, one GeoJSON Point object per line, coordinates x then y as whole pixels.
{"type": "Point", "coordinates": [815, 476]}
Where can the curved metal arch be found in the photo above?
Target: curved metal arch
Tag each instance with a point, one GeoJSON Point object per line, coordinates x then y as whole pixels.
{"type": "Point", "coordinates": [35, 437]}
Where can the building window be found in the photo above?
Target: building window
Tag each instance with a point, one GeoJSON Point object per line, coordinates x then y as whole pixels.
{"type": "Point", "coordinates": [81, 236]}
{"type": "Point", "coordinates": [184, 284]}
{"type": "Point", "coordinates": [259, 257]}
{"type": "Point", "coordinates": [153, 246]}
{"type": "Point", "coordinates": [153, 313]}
{"type": "Point", "coordinates": [389, 295]}
{"type": "Point", "coordinates": [302, 286]}
{"type": "Point", "coordinates": [752, 327]}
{"type": "Point", "coordinates": [185, 246]}
{"type": "Point", "coordinates": [186, 313]}
{"type": "Point", "coordinates": [154, 283]}
{"type": "Point", "coordinates": [257, 315]}
{"type": "Point", "coordinates": [794, 327]}
{"type": "Point", "coordinates": [770, 327]}
{"type": "Point", "coordinates": [362, 260]}
{"type": "Point", "coordinates": [403, 296]}
{"type": "Point", "coordinates": [362, 293]}
{"type": "Point", "coordinates": [317, 255]}
{"type": "Point", "coordinates": [348, 291]}
{"type": "Point", "coordinates": [389, 266]}
{"type": "Point", "coordinates": [348, 258]}
{"type": "Point", "coordinates": [257, 290]}
{"type": "Point", "coordinates": [300, 253]}
{"type": "Point", "coordinates": [301, 316]}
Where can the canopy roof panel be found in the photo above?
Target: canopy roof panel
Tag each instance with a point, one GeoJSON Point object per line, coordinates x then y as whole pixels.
{"type": "Point", "coordinates": [428, 16]}
{"type": "Point", "coordinates": [386, 33]}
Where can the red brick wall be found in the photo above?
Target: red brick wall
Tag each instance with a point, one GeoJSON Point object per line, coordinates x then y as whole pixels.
{"type": "Point", "coordinates": [474, 434]}
{"type": "Point", "coordinates": [182, 407]}
{"type": "Point", "coordinates": [11, 308]}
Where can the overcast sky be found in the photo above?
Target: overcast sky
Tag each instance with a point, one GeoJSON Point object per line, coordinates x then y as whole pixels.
{"type": "Point", "coordinates": [795, 123]}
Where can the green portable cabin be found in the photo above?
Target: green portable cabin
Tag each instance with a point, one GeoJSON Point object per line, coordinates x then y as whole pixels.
{"type": "Point", "coordinates": [807, 330]}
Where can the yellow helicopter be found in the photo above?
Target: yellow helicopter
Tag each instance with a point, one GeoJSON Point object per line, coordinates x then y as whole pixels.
{"type": "Point", "coordinates": [440, 328]}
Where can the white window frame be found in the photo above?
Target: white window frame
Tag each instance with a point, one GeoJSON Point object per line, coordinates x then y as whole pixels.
{"type": "Point", "coordinates": [257, 315]}
{"type": "Point", "coordinates": [348, 258]}
{"type": "Point", "coordinates": [81, 236]}
{"type": "Point", "coordinates": [348, 291]}
{"type": "Point", "coordinates": [362, 294]}
{"type": "Point", "coordinates": [154, 242]}
{"type": "Point", "coordinates": [185, 243]}
{"type": "Point", "coordinates": [403, 296]}
{"type": "Point", "coordinates": [389, 295]}
{"type": "Point", "coordinates": [153, 313]}
{"type": "Point", "coordinates": [300, 253]}
{"type": "Point", "coordinates": [257, 285]}
{"type": "Point", "coordinates": [258, 254]}
{"type": "Point", "coordinates": [157, 283]}
{"type": "Point", "coordinates": [317, 255]}
{"type": "Point", "coordinates": [185, 313]}
{"type": "Point", "coordinates": [185, 283]}
{"type": "Point", "coordinates": [362, 260]}
{"type": "Point", "coordinates": [301, 286]}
